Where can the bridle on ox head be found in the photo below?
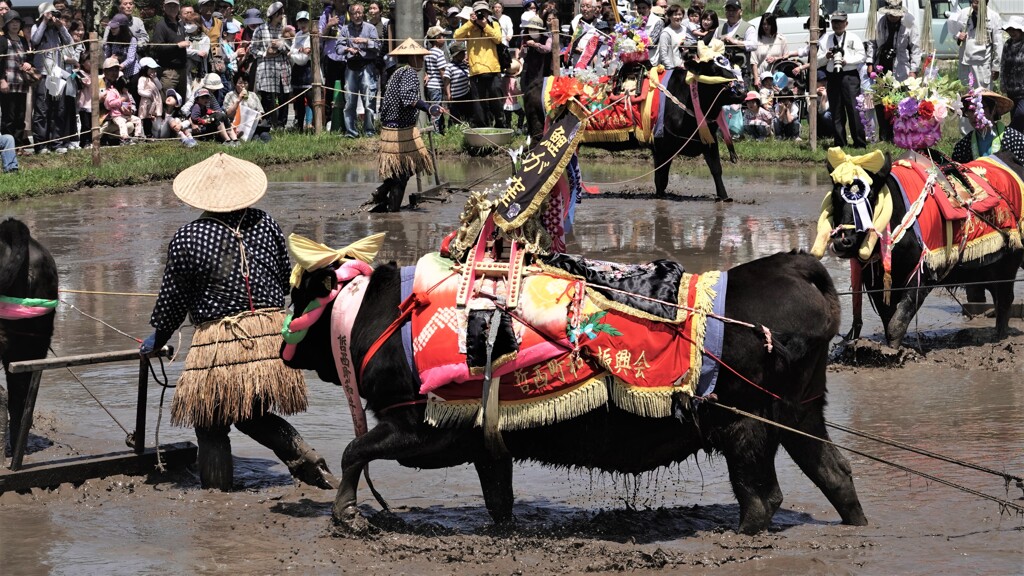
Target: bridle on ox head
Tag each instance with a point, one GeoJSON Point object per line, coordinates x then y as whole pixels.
{"type": "Point", "coordinates": [856, 194]}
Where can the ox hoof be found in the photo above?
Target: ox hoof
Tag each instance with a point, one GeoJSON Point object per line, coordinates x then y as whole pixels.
{"type": "Point", "coordinates": [721, 199]}
{"type": "Point", "coordinates": [351, 521]}
{"type": "Point", "coordinates": [315, 473]}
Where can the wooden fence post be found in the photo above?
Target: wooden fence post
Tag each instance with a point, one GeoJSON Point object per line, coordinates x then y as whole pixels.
{"type": "Point", "coordinates": [94, 57]}
{"type": "Point", "coordinates": [556, 43]}
{"type": "Point", "coordinates": [318, 82]}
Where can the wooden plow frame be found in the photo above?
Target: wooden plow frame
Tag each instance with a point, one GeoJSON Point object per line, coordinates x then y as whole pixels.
{"type": "Point", "coordinates": [140, 460]}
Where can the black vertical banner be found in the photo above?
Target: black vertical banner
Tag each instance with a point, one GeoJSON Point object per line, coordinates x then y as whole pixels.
{"type": "Point", "coordinates": [542, 166]}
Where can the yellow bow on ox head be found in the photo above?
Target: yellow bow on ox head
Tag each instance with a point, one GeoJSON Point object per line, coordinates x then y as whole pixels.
{"type": "Point", "coordinates": [310, 255]}
{"type": "Point", "coordinates": [708, 52]}
{"type": "Point", "coordinates": [846, 168]}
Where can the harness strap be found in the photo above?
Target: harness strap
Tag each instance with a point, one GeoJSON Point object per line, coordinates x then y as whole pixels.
{"type": "Point", "coordinates": [342, 319]}
{"type": "Point", "coordinates": [406, 308]}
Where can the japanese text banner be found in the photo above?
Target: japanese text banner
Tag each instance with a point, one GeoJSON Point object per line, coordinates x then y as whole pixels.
{"type": "Point", "coordinates": [542, 166]}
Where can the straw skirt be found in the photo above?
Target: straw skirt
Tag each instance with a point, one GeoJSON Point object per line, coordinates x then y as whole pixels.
{"type": "Point", "coordinates": [234, 372]}
{"type": "Point", "coordinates": [402, 153]}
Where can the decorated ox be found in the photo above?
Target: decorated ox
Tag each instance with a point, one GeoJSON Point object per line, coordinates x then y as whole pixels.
{"type": "Point", "coordinates": [632, 378]}
{"type": "Point", "coordinates": [922, 221]}
{"type": "Point", "coordinates": [676, 112]}
{"type": "Point", "coordinates": [28, 296]}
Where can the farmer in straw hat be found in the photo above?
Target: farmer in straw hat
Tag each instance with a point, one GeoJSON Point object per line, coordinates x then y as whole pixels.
{"type": "Point", "coordinates": [402, 152]}
{"type": "Point", "coordinates": [229, 270]}
{"type": "Point", "coordinates": [990, 135]}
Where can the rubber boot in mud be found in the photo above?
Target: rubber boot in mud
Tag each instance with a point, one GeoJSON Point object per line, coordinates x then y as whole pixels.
{"type": "Point", "coordinates": [216, 467]}
{"type": "Point", "coordinates": [302, 460]}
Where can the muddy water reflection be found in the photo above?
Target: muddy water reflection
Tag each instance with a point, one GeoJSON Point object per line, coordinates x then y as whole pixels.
{"type": "Point", "coordinates": [114, 240]}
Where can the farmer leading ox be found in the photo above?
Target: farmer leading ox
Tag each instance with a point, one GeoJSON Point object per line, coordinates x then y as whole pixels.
{"type": "Point", "coordinates": [676, 111]}
{"type": "Point", "coordinates": [354, 331]}
{"type": "Point", "coordinates": [922, 221]}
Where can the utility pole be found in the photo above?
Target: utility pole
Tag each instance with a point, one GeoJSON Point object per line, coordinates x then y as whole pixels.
{"type": "Point", "coordinates": [408, 17]}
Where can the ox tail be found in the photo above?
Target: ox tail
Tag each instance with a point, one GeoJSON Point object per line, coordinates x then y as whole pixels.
{"type": "Point", "coordinates": [810, 269]}
{"type": "Point", "coordinates": [14, 242]}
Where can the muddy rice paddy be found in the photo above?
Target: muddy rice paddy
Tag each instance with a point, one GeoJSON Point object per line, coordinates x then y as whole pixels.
{"type": "Point", "coordinates": [960, 394]}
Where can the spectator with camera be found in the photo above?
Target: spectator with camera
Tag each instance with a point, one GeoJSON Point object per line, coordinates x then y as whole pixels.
{"type": "Point", "coordinates": [482, 36]}
{"type": "Point", "coordinates": [841, 52]}
{"type": "Point", "coordinates": [47, 37]}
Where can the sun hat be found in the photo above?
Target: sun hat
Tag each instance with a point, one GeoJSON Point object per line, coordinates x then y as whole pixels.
{"type": "Point", "coordinates": [212, 81]}
{"type": "Point", "coordinates": [1015, 22]}
{"type": "Point", "coordinates": [892, 8]}
{"type": "Point", "coordinates": [481, 5]}
{"type": "Point", "coordinates": [781, 79]}
{"type": "Point", "coordinates": [274, 9]}
{"type": "Point", "coordinates": [457, 47]}
{"type": "Point", "coordinates": [252, 17]}
{"type": "Point", "coordinates": [45, 8]}
{"type": "Point", "coordinates": [534, 23]}
{"type": "Point", "coordinates": [11, 16]}
{"type": "Point", "coordinates": [453, 11]}
{"type": "Point", "coordinates": [838, 16]}
{"type": "Point", "coordinates": [658, 10]}
{"type": "Point", "coordinates": [221, 183]}
{"type": "Point", "coordinates": [466, 13]}
{"type": "Point", "coordinates": [303, 15]}
{"type": "Point", "coordinates": [752, 95]}
{"type": "Point", "coordinates": [148, 62]}
{"type": "Point", "coordinates": [232, 27]}
{"type": "Point", "coordinates": [409, 48]}
{"type": "Point", "coordinates": [515, 68]}
{"type": "Point", "coordinates": [111, 62]}
{"type": "Point", "coordinates": [435, 32]}
{"type": "Point", "coordinates": [1002, 103]}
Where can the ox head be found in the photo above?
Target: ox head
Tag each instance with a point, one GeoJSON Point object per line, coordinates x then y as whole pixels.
{"type": "Point", "coordinates": [858, 207]}
{"type": "Point", "coordinates": [719, 83]}
{"type": "Point", "coordinates": [316, 279]}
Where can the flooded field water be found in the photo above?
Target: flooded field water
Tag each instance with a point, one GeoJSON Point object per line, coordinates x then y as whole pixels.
{"type": "Point", "coordinates": [113, 240]}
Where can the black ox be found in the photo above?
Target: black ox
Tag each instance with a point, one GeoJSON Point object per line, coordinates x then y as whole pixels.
{"type": "Point", "coordinates": [27, 270]}
{"type": "Point", "coordinates": [791, 293]}
{"type": "Point", "coordinates": [911, 286]}
{"type": "Point", "coordinates": [681, 134]}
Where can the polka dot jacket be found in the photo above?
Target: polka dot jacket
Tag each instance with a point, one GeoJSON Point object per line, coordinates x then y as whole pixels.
{"type": "Point", "coordinates": [398, 108]}
{"type": "Point", "coordinates": [204, 275]}
{"type": "Point", "coordinates": [1011, 140]}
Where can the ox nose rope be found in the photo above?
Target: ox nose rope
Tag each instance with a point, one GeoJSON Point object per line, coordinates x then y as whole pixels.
{"type": "Point", "coordinates": [1004, 505]}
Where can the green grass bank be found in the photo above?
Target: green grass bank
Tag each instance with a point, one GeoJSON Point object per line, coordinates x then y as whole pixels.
{"type": "Point", "coordinates": [155, 161]}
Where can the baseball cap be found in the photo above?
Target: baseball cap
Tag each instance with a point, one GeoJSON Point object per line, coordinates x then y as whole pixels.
{"type": "Point", "coordinates": [481, 6]}
{"type": "Point", "coordinates": [732, 4]}
{"type": "Point", "coordinates": [166, 2]}
{"type": "Point", "coordinates": [111, 62]}
{"type": "Point", "coordinates": [435, 32]}
{"type": "Point", "coordinates": [453, 10]}
{"type": "Point", "coordinates": [767, 76]}
{"type": "Point", "coordinates": [302, 16]}
{"type": "Point", "coordinates": [838, 16]}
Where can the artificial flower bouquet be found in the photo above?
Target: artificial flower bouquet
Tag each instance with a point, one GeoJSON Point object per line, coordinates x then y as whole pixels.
{"type": "Point", "coordinates": [629, 40]}
{"type": "Point", "coordinates": [917, 107]}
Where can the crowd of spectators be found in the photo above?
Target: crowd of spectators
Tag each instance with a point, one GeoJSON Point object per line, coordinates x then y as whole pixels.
{"type": "Point", "coordinates": [185, 71]}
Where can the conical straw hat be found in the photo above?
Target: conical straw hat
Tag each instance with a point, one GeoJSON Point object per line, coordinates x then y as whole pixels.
{"type": "Point", "coordinates": [409, 48]}
{"type": "Point", "coordinates": [221, 183]}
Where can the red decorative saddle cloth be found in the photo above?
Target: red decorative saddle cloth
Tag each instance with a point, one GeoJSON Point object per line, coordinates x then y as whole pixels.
{"type": "Point", "coordinates": [614, 118]}
{"type": "Point", "coordinates": [577, 350]}
{"type": "Point", "coordinates": [952, 233]}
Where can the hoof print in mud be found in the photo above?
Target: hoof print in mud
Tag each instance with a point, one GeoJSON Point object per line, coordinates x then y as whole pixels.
{"type": "Point", "coordinates": [864, 352]}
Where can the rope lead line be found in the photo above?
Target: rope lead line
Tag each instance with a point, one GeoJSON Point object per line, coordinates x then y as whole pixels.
{"type": "Point", "coordinates": [1004, 505]}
